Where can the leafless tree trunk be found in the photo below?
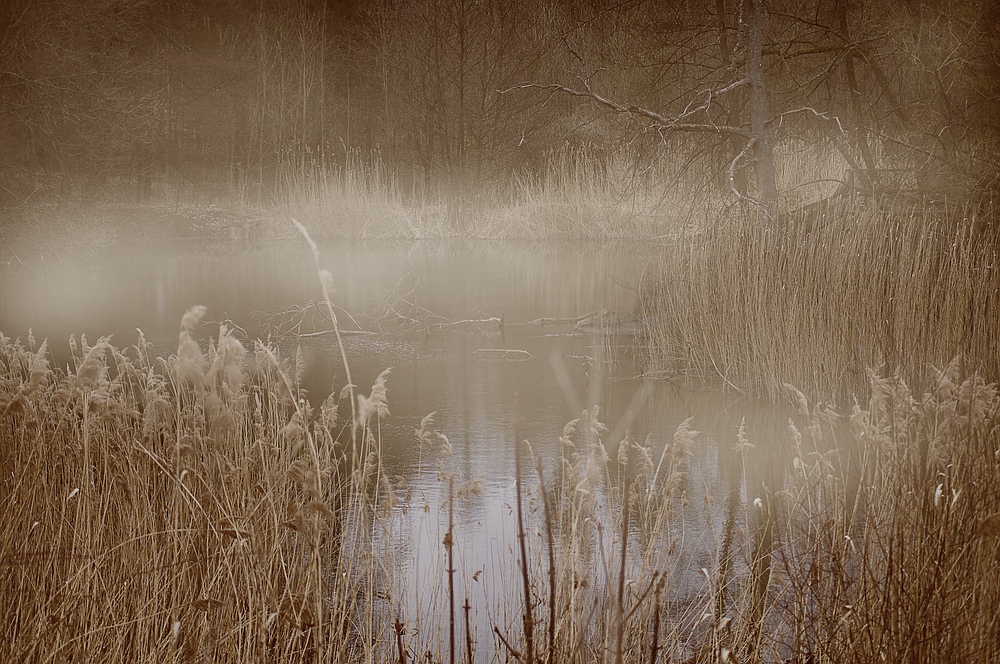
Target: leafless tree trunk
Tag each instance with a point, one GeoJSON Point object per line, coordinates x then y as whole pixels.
{"type": "Point", "coordinates": [739, 174]}
{"type": "Point", "coordinates": [760, 114]}
{"type": "Point", "coordinates": [870, 179]}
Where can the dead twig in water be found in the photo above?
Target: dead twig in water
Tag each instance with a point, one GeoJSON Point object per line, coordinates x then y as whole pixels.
{"type": "Point", "coordinates": [568, 321]}
{"type": "Point", "coordinates": [290, 321]}
{"type": "Point", "coordinates": [501, 354]}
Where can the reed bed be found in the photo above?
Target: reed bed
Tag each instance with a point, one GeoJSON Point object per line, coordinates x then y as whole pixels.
{"type": "Point", "coordinates": [891, 525]}
{"type": "Point", "coordinates": [196, 508]}
{"type": "Point", "coordinates": [577, 192]}
{"type": "Point", "coordinates": [840, 289]}
{"type": "Point", "coordinates": [183, 509]}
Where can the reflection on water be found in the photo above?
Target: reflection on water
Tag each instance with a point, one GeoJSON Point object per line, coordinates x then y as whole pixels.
{"type": "Point", "coordinates": [481, 406]}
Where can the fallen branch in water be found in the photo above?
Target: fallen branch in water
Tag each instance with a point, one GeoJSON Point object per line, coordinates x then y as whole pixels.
{"type": "Point", "coordinates": [345, 333]}
{"type": "Point", "coordinates": [472, 322]}
{"type": "Point", "coordinates": [402, 309]}
{"type": "Point", "coordinates": [291, 320]}
{"type": "Point", "coordinates": [568, 321]}
{"type": "Point", "coordinates": [400, 315]}
{"type": "Point", "coordinates": [501, 354]}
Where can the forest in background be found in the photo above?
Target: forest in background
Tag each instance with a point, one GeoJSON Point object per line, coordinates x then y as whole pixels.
{"type": "Point", "coordinates": [465, 101]}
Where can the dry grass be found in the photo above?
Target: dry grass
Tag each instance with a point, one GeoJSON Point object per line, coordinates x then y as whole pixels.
{"type": "Point", "coordinates": [195, 508]}
{"type": "Point", "coordinates": [573, 193]}
{"type": "Point", "coordinates": [185, 508]}
{"type": "Point", "coordinates": [890, 547]}
{"type": "Point", "coordinates": [858, 288]}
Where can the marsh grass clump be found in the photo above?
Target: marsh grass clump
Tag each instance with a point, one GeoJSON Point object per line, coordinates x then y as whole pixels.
{"type": "Point", "coordinates": [838, 290]}
{"type": "Point", "coordinates": [888, 551]}
{"type": "Point", "coordinates": [578, 191]}
{"type": "Point", "coordinates": [191, 508]}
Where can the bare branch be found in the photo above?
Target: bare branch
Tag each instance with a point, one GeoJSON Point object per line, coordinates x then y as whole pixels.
{"type": "Point", "coordinates": [840, 139]}
{"type": "Point", "coordinates": [657, 121]}
{"type": "Point", "coordinates": [731, 170]}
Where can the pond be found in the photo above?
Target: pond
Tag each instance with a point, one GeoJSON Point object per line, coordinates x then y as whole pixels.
{"type": "Point", "coordinates": [414, 295]}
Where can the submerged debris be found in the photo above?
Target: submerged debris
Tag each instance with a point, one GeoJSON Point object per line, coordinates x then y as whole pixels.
{"type": "Point", "coordinates": [501, 354]}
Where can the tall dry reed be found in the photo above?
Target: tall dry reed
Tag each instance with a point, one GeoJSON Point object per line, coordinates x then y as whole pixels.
{"type": "Point", "coordinates": [890, 527]}
{"type": "Point", "coordinates": [191, 508]}
{"type": "Point", "coordinates": [839, 291]}
{"type": "Point", "coordinates": [196, 508]}
{"type": "Point", "coordinates": [579, 192]}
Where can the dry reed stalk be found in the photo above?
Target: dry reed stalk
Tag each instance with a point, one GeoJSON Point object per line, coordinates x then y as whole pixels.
{"type": "Point", "coordinates": [400, 650]}
{"type": "Point", "coordinates": [654, 649]}
{"type": "Point", "coordinates": [626, 513]}
{"type": "Point", "coordinates": [366, 455]}
{"type": "Point", "coordinates": [550, 551]}
{"type": "Point", "coordinates": [449, 545]}
{"type": "Point", "coordinates": [863, 287]}
{"type": "Point", "coordinates": [528, 621]}
{"type": "Point", "coordinates": [468, 632]}
{"type": "Point", "coordinates": [326, 282]}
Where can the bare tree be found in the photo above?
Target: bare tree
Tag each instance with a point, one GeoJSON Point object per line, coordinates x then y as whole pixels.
{"type": "Point", "coordinates": [74, 87]}
{"type": "Point", "coordinates": [703, 96]}
{"type": "Point", "coordinates": [901, 95]}
{"type": "Point", "coordinates": [760, 114]}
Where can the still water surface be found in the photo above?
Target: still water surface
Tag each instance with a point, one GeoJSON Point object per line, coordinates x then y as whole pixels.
{"type": "Point", "coordinates": [481, 405]}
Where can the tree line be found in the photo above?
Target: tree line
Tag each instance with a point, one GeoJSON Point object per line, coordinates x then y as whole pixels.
{"type": "Point", "coordinates": [243, 98]}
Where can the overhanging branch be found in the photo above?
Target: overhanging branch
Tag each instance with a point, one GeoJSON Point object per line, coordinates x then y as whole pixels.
{"type": "Point", "coordinates": [657, 121]}
{"type": "Point", "coordinates": [840, 138]}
